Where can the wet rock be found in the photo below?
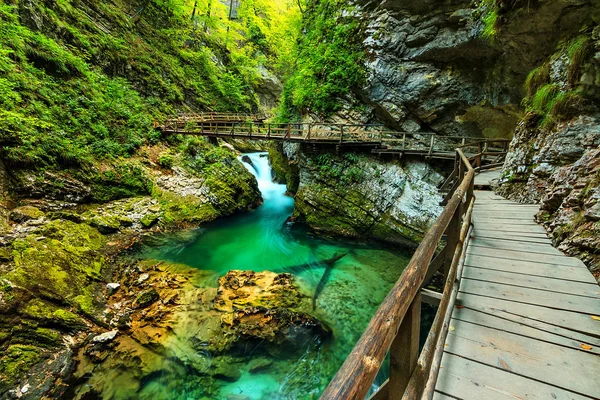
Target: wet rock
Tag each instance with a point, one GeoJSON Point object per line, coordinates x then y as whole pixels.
{"type": "Point", "coordinates": [25, 213]}
{"type": "Point", "coordinates": [247, 159]}
{"type": "Point", "coordinates": [106, 225]}
{"type": "Point", "coordinates": [259, 364]}
{"type": "Point", "coordinates": [111, 288]}
{"type": "Point", "coordinates": [146, 298]}
{"type": "Point", "coordinates": [105, 337]}
{"type": "Point", "coordinates": [143, 278]}
{"type": "Point", "coordinates": [227, 372]}
{"type": "Point", "coordinates": [149, 220]}
{"type": "Point", "coordinates": [241, 289]}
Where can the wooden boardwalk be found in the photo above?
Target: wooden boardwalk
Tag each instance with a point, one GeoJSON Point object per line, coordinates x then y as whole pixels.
{"type": "Point", "coordinates": [526, 321]}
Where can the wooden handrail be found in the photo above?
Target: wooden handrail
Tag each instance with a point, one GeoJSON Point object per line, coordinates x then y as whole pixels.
{"type": "Point", "coordinates": [392, 323]}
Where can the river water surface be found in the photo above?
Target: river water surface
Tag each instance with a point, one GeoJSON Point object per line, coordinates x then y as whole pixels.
{"type": "Point", "coordinates": [262, 240]}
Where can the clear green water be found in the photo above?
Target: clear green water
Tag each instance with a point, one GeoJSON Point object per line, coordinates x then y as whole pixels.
{"type": "Point", "coordinates": [262, 240]}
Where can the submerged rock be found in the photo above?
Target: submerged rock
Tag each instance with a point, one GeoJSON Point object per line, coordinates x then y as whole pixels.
{"type": "Point", "coordinates": [105, 337]}
{"type": "Point", "coordinates": [259, 306]}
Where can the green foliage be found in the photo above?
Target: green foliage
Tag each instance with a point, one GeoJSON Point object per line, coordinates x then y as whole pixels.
{"type": "Point", "coordinates": [166, 160]}
{"type": "Point", "coordinates": [330, 59]}
{"type": "Point", "coordinates": [536, 78]}
{"type": "Point", "coordinates": [577, 51]}
{"type": "Point", "coordinates": [89, 87]}
{"type": "Point", "coordinates": [554, 105]}
{"type": "Point", "coordinates": [490, 24]}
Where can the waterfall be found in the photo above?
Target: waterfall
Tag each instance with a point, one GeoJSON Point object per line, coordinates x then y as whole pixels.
{"type": "Point", "coordinates": [274, 194]}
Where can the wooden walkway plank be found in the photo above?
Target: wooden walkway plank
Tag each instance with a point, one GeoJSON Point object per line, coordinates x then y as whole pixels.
{"type": "Point", "coordinates": [555, 336]}
{"type": "Point", "coordinates": [515, 228]}
{"type": "Point", "coordinates": [517, 245]}
{"type": "Point", "coordinates": [486, 232]}
{"type": "Point", "coordinates": [559, 301]}
{"type": "Point", "coordinates": [524, 256]}
{"type": "Point", "coordinates": [486, 307]}
{"type": "Point", "coordinates": [507, 236]}
{"type": "Point", "coordinates": [533, 282]}
{"type": "Point", "coordinates": [571, 370]}
{"type": "Point", "coordinates": [471, 380]}
{"type": "Point", "coordinates": [577, 322]}
{"type": "Point", "coordinates": [530, 268]}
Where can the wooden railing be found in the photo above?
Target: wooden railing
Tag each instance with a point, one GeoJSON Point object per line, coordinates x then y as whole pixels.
{"type": "Point", "coordinates": [330, 133]}
{"type": "Point", "coordinates": [395, 325]}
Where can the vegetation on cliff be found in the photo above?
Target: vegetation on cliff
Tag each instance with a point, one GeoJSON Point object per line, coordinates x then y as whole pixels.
{"type": "Point", "coordinates": [329, 59]}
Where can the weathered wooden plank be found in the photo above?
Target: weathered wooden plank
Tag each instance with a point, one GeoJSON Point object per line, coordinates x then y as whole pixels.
{"type": "Point", "coordinates": [471, 380]}
{"type": "Point", "coordinates": [480, 230]}
{"type": "Point", "coordinates": [516, 245]}
{"type": "Point", "coordinates": [506, 321]}
{"type": "Point", "coordinates": [491, 220]}
{"type": "Point", "coordinates": [509, 236]}
{"type": "Point", "coordinates": [492, 320]}
{"type": "Point", "coordinates": [517, 216]}
{"type": "Point", "coordinates": [521, 255]}
{"type": "Point", "coordinates": [572, 370]}
{"type": "Point", "coordinates": [534, 282]}
{"type": "Point", "coordinates": [511, 228]}
{"type": "Point", "coordinates": [530, 268]}
{"type": "Point", "coordinates": [441, 396]}
{"type": "Point", "coordinates": [576, 322]}
{"type": "Point", "coordinates": [559, 301]}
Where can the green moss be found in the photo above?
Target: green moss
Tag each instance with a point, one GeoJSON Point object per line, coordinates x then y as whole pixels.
{"type": "Point", "coordinates": [26, 213]}
{"type": "Point", "coordinates": [17, 360]}
{"type": "Point", "coordinates": [148, 220]}
{"type": "Point", "coordinates": [182, 210]}
{"type": "Point", "coordinates": [60, 265]}
{"type": "Point", "coordinates": [106, 224]}
{"type": "Point", "coordinates": [285, 172]}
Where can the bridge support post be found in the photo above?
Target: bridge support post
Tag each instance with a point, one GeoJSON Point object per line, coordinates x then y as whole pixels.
{"type": "Point", "coordinates": [404, 352]}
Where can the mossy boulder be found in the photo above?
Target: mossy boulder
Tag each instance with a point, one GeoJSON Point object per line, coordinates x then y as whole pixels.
{"type": "Point", "coordinates": [60, 261]}
{"type": "Point", "coordinates": [16, 361]}
{"type": "Point", "coordinates": [25, 213]}
{"type": "Point", "coordinates": [49, 314]}
{"type": "Point", "coordinates": [106, 224]}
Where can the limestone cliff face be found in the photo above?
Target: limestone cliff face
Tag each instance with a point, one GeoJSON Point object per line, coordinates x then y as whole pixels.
{"type": "Point", "coordinates": [430, 69]}
{"type": "Point", "coordinates": [364, 197]}
{"type": "Point", "coordinates": [554, 157]}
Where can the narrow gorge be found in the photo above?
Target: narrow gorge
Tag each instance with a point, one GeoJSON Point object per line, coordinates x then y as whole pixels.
{"type": "Point", "coordinates": [137, 263]}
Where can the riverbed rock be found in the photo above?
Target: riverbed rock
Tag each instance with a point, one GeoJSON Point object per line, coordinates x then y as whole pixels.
{"type": "Point", "coordinates": [105, 337]}
{"type": "Point", "coordinates": [242, 289]}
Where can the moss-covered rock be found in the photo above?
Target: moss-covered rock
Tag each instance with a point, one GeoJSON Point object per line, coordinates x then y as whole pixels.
{"type": "Point", "coordinates": [16, 361]}
{"type": "Point", "coordinates": [146, 298]}
{"type": "Point", "coordinates": [60, 261]}
{"type": "Point", "coordinates": [25, 213]}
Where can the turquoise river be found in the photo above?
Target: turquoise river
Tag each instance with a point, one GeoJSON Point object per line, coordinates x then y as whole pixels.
{"type": "Point", "coordinates": [263, 240]}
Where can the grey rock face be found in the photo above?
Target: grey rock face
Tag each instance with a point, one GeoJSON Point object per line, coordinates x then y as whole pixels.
{"type": "Point", "coordinates": [361, 196]}
{"type": "Point", "coordinates": [429, 68]}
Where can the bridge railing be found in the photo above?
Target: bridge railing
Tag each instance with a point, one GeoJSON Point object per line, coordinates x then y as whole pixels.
{"type": "Point", "coordinates": [395, 325]}
{"type": "Point", "coordinates": [373, 134]}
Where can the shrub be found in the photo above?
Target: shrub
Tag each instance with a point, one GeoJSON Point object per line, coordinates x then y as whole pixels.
{"type": "Point", "coordinates": [166, 160]}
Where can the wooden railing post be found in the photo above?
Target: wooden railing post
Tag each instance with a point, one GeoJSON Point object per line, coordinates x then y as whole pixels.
{"type": "Point", "coordinates": [404, 351]}
{"type": "Point", "coordinates": [342, 133]}
{"type": "Point", "coordinates": [403, 141]}
{"type": "Point", "coordinates": [308, 135]}
{"type": "Point", "coordinates": [478, 158]}
{"type": "Point", "coordinates": [453, 230]}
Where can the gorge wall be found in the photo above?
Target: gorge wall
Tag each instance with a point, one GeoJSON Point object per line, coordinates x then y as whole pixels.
{"type": "Point", "coordinates": [360, 196]}
{"type": "Point", "coordinates": [485, 69]}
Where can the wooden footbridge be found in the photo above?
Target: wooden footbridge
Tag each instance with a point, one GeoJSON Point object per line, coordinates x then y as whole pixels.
{"type": "Point", "coordinates": [517, 319]}
{"type": "Point", "coordinates": [371, 136]}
